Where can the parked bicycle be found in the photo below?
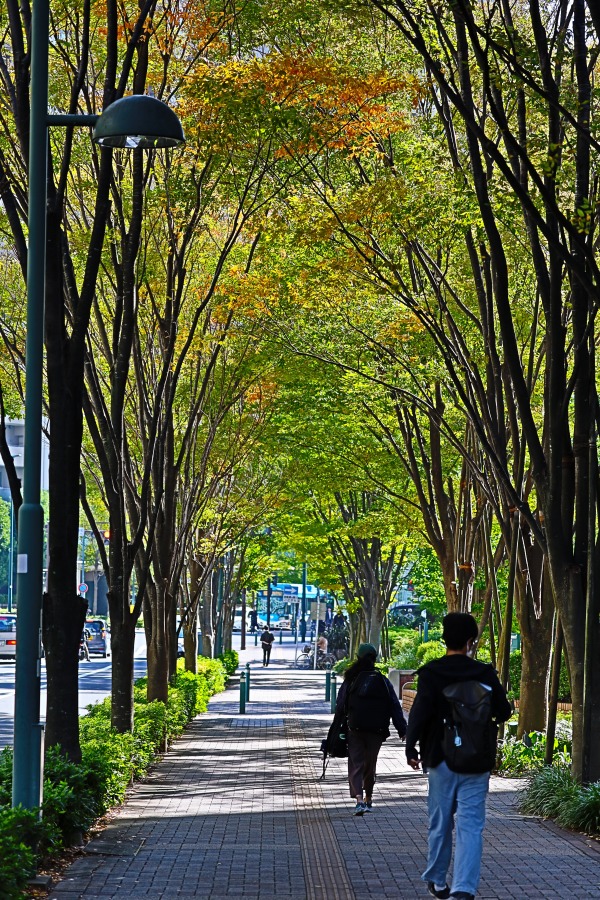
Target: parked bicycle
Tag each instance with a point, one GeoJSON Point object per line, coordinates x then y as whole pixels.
{"type": "Point", "coordinates": [305, 659]}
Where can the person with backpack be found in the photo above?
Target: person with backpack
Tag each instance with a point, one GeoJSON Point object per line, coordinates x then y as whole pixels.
{"type": "Point", "coordinates": [454, 720]}
{"type": "Point", "coordinates": [367, 701]}
{"type": "Point", "coordinates": [266, 642]}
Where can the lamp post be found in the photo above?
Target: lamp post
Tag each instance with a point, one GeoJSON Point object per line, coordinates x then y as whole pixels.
{"type": "Point", "coordinates": [303, 607]}
{"type": "Point", "coordinates": [136, 121]}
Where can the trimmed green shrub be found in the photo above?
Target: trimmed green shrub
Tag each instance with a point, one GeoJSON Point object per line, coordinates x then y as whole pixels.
{"type": "Point", "coordinates": [404, 650]}
{"type": "Point", "coordinates": [19, 832]}
{"type": "Point", "coordinates": [6, 766]}
{"type": "Point", "coordinates": [75, 794]}
{"type": "Point", "coordinates": [214, 672]}
{"type": "Point", "coordinates": [430, 650]}
{"type": "Point", "coordinates": [341, 665]}
{"type": "Point", "coordinates": [230, 660]}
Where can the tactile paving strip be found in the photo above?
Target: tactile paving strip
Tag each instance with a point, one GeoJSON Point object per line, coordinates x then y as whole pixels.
{"type": "Point", "coordinates": [325, 873]}
{"type": "Point", "coordinates": [264, 722]}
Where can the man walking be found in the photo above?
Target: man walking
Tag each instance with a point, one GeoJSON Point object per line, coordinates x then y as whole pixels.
{"type": "Point", "coordinates": [266, 642]}
{"type": "Point", "coordinates": [457, 788]}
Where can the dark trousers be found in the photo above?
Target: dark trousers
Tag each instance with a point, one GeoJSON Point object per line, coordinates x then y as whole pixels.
{"type": "Point", "coordinates": [363, 750]}
{"type": "Point", "coordinates": [266, 655]}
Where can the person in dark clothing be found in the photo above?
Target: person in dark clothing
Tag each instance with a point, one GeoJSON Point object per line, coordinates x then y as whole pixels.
{"type": "Point", "coordinates": [366, 736]}
{"type": "Point", "coordinates": [253, 620]}
{"type": "Point", "coordinates": [266, 642]}
{"type": "Point", "coordinates": [456, 800]}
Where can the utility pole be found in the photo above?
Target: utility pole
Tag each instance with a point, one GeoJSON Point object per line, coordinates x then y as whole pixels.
{"type": "Point", "coordinates": [303, 605]}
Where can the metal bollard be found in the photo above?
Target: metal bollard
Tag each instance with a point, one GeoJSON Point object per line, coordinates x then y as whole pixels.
{"type": "Point", "coordinates": [243, 692]}
{"type": "Point", "coordinates": [247, 682]}
{"type": "Point", "coordinates": [281, 635]}
{"type": "Point", "coordinates": [256, 638]}
{"type": "Point", "coordinates": [328, 684]}
{"type": "Point", "coordinates": [333, 693]}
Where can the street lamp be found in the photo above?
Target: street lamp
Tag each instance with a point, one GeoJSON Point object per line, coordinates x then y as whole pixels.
{"type": "Point", "coordinates": [135, 121]}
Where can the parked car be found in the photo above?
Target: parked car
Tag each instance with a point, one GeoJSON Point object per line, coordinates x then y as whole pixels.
{"type": "Point", "coordinates": [99, 640]}
{"type": "Point", "coordinates": [8, 637]}
{"type": "Point", "coordinates": [181, 648]}
{"type": "Point", "coordinates": [237, 623]}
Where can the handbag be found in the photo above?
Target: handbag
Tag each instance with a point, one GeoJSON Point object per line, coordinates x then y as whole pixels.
{"type": "Point", "coordinates": [337, 739]}
{"type": "Point", "coordinates": [336, 742]}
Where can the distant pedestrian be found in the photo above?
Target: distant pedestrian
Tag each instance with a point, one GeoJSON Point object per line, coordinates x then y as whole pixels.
{"type": "Point", "coordinates": [302, 629]}
{"type": "Point", "coordinates": [458, 782]}
{"type": "Point", "coordinates": [339, 620]}
{"type": "Point", "coordinates": [253, 620]}
{"type": "Point", "coordinates": [368, 701]}
{"type": "Point", "coordinates": [266, 642]}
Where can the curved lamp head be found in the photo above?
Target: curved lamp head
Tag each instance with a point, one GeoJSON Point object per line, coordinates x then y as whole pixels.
{"type": "Point", "coordinates": [138, 121]}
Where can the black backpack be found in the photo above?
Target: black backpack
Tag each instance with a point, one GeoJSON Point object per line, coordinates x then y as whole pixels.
{"type": "Point", "coordinates": [470, 733]}
{"type": "Point", "coordinates": [369, 705]}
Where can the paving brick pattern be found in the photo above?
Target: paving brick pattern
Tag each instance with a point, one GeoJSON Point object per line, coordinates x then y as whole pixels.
{"type": "Point", "coordinates": [236, 810]}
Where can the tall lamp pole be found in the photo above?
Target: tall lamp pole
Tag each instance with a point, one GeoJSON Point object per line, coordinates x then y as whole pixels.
{"type": "Point", "coordinates": [269, 591]}
{"type": "Point", "coordinates": [137, 121]}
{"type": "Point", "coordinates": [28, 737]}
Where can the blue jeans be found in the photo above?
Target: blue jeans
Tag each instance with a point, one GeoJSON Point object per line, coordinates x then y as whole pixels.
{"type": "Point", "coordinates": [456, 800]}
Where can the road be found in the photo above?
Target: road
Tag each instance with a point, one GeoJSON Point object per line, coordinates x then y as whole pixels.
{"type": "Point", "coordinates": [94, 685]}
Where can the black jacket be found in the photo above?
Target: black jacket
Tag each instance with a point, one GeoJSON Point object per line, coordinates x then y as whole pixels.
{"type": "Point", "coordinates": [396, 713]}
{"type": "Point", "coordinates": [426, 719]}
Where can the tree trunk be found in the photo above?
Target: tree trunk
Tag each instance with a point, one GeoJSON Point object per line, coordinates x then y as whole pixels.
{"type": "Point", "coordinates": [63, 623]}
{"type": "Point", "coordinates": [535, 610]}
{"type": "Point", "coordinates": [172, 643]}
{"type": "Point", "coordinates": [553, 693]}
{"type": "Point", "coordinates": [122, 639]}
{"type": "Point", "coordinates": [158, 683]}
{"type": "Point", "coordinates": [206, 620]}
{"type": "Point", "coordinates": [190, 645]}
{"type": "Point", "coordinates": [373, 617]}
{"type": "Point", "coordinates": [534, 685]}
{"type": "Point", "coordinates": [63, 610]}
{"type": "Point", "coordinates": [155, 615]}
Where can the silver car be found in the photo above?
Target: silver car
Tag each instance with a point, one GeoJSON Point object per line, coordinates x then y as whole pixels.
{"type": "Point", "coordinates": [8, 637]}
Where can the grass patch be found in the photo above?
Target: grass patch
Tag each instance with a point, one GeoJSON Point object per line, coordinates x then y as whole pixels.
{"type": "Point", "coordinates": [553, 793]}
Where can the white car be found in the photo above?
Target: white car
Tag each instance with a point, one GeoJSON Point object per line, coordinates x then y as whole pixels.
{"type": "Point", "coordinates": [8, 637]}
{"type": "Point", "coordinates": [237, 623]}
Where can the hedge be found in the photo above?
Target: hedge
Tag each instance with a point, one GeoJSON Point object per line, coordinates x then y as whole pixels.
{"type": "Point", "coordinates": [76, 794]}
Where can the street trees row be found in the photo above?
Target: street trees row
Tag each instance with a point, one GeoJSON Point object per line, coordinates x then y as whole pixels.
{"type": "Point", "coordinates": [491, 253]}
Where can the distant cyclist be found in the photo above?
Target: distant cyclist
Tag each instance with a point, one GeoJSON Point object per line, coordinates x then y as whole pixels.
{"type": "Point", "coordinates": [84, 650]}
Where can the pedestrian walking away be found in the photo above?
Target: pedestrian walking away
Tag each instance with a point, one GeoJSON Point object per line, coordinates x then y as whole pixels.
{"type": "Point", "coordinates": [266, 642]}
{"type": "Point", "coordinates": [454, 720]}
{"type": "Point", "coordinates": [366, 701]}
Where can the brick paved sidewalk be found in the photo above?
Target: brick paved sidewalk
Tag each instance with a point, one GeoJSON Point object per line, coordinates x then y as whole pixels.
{"type": "Point", "coordinates": [236, 810]}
